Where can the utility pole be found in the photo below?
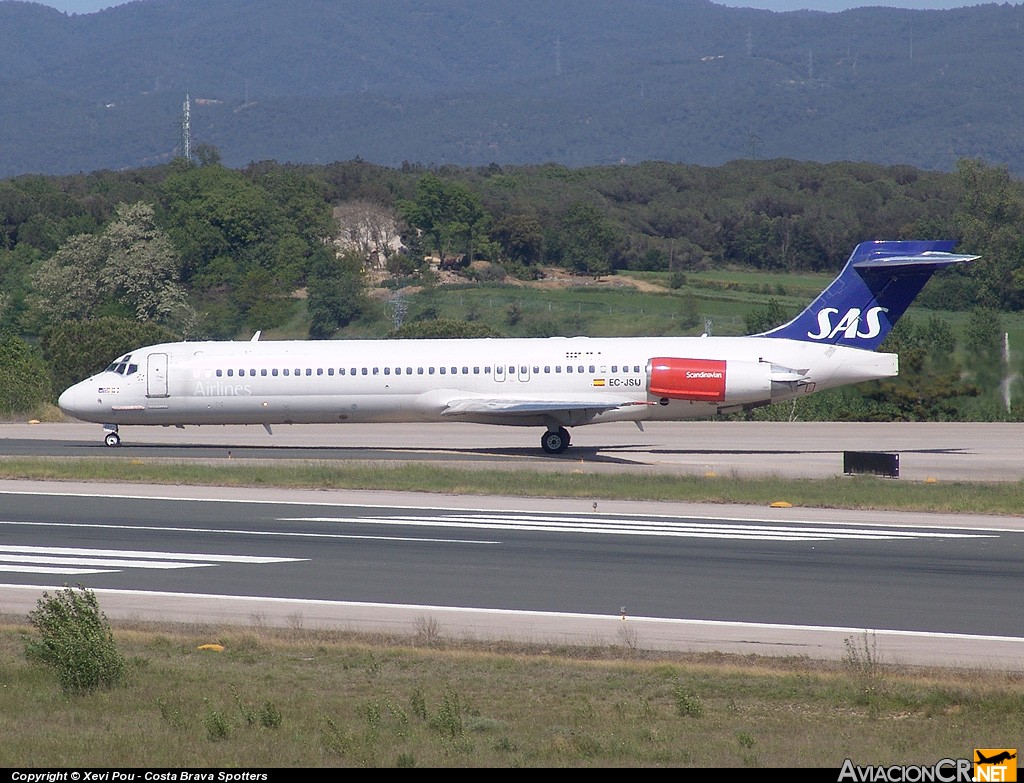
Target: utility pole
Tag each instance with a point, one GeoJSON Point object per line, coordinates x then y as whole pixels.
{"type": "Point", "coordinates": [186, 128]}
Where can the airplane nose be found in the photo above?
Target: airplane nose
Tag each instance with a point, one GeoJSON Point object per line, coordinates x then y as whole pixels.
{"type": "Point", "coordinates": [70, 401]}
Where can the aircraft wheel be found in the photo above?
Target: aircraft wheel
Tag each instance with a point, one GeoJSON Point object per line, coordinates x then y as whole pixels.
{"type": "Point", "coordinates": [112, 439]}
{"type": "Point", "coordinates": [555, 442]}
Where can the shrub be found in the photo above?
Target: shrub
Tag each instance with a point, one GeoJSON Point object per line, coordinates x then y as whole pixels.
{"type": "Point", "coordinates": [76, 640]}
{"type": "Point", "coordinates": [24, 378]}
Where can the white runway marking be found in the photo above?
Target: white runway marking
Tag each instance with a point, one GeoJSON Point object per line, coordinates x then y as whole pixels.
{"type": "Point", "coordinates": [74, 560]}
{"type": "Point", "coordinates": [647, 526]}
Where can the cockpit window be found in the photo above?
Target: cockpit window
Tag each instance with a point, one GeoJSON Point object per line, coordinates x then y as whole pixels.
{"type": "Point", "coordinates": [123, 366]}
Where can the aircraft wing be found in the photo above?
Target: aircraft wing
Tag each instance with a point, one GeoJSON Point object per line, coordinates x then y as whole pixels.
{"type": "Point", "coordinates": [526, 407]}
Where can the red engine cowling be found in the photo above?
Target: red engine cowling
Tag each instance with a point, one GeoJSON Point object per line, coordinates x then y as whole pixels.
{"type": "Point", "coordinates": [687, 379]}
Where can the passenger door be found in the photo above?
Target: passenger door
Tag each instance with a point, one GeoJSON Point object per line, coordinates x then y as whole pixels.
{"type": "Point", "coordinates": [156, 375]}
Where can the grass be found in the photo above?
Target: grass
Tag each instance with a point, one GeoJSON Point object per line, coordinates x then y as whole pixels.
{"type": "Point", "coordinates": [298, 698]}
{"type": "Point", "coordinates": [304, 698]}
{"type": "Point", "coordinates": [852, 492]}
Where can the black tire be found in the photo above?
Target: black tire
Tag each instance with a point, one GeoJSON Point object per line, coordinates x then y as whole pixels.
{"type": "Point", "coordinates": [112, 439]}
{"type": "Point", "coordinates": [555, 441]}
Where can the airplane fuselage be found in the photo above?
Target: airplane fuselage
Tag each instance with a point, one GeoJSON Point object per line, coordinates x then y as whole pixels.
{"type": "Point", "coordinates": [604, 379]}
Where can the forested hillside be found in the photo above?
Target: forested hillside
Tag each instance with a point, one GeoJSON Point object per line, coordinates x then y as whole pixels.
{"type": "Point", "coordinates": [92, 265]}
{"type": "Point", "coordinates": [526, 82]}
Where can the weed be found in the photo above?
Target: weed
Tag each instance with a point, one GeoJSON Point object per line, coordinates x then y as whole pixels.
{"type": "Point", "coordinates": [248, 714]}
{"type": "Point", "coordinates": [419, 704]}
{"type": "Point", "coordinates": [427, 632]}
{"type": "Point", "coordinates": [861, 656]}
{"type": "Point", "coordinates": [688, 705]}
{"type": "Point", "coordinates": [448, 720]}
{"type": "Point", "coordinates": [76, 640]}
{"type": "Point", "coordinates": [217, 726]}
{"type": "Point", "coordinates": [628, 638]}
{"type": "Point", "coordinates": [270, 716]}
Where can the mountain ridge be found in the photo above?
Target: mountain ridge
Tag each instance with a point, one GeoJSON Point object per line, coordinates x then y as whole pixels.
{"type": "Point", "coordinates": [565, 81]}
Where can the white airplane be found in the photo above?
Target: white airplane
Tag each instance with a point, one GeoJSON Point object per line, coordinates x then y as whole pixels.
{"type": "Point", "coordinates": [554, 383]}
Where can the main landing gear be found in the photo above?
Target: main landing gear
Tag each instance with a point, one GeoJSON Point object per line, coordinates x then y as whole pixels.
{"type": "Point", "coordinates": [555, 441]}
{"type": "Point", "coordinates": [111, 438]}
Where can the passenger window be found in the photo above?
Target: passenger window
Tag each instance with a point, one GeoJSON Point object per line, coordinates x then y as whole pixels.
{"type": "Point", "coordinates": [430, 371]}
{"type": "Point", "coordinates": [263, 372]}
{"type": "Point", "coordinates": [330, 371]}
{"type": "Point", "coordinates": [252, 372]}
{"type": "Point", "coordinates": [274, 372]}
{"type": "Point", "coordinates": [568, 368]}
{"type": "Point", "coordinates": [286, 372]}
{"type": "Point", "coordinates": [387, 371]}
{"type": "Point", "coordinates": [364, 371]}
{"type": "Point", "coordinates": [376, 370]}
{"type": "Point", "coordinates": [442, 370]}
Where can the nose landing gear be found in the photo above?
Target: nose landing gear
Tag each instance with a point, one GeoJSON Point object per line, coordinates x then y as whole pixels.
{"type": "Point", "coordinates": [111, 438]}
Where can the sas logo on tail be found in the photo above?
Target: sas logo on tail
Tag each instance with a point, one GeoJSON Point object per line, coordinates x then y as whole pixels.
{"type": "Point", "coordinates": [848, 324]}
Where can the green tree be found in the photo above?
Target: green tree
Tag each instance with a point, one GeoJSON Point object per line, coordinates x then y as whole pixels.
{"type": "Point", "coordinates": [336, 293]}
{"type": "Point", "coordinates": [990, 222]}
{"type": "Point", "coordinates": [76, 640]}
{"type": "Point", "coordinates": [450, 215]}
{"type": "Point", "coordinates": [24, 378]}
{"type": "Point", "coordinates": [442, 328]}
{"type": "Point", "coordinates": [984, 343]}
{"type": "Point", "coordinates": [763, 319]}
{"type": "Point", "coordinates": [521, 238]}
{"type": "Point", "coordinates": [587, 240]}
{"type": "Point", "coordinates": [214, 211]}
{"type": "Point", "coordinates": [74, 350]}
{"type": "Point", "coordinates": [131, 268]}
{"type": "Point", "coordinates": [929, 386]}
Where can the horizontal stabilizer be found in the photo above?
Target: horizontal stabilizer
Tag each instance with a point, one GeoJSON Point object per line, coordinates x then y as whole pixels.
{"type": "Point", "coordinates": [877, 285]}
{"type": "Point", "coordinates": [937, 260]}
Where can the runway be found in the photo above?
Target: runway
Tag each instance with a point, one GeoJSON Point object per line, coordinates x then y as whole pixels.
{"type": "Point", "coordinates": [964, 582]}
{"type": "Point", "coordinates": [926, 450]}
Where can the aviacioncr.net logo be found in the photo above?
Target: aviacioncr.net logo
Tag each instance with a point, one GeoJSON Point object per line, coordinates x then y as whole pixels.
{"type": "Point", "coordinates": [998, 765]}
{"type": "Point", "coordinates": [943, 771]}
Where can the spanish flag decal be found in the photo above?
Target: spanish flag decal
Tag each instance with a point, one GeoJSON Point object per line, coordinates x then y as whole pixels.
{"type": "Point", "coordinates": [599, 381]}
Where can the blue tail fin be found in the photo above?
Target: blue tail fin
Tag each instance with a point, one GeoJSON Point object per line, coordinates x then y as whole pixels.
{"type": "Point", "coordinates": [875, 288]}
